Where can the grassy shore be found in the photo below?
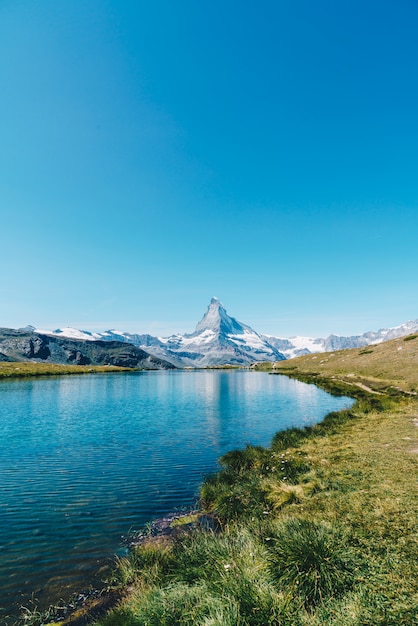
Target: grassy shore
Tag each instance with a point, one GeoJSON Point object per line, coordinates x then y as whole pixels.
{"type": "Point", "coordinates": [29, 368]}
{"type": "Point", "coordinates": [318, 529]}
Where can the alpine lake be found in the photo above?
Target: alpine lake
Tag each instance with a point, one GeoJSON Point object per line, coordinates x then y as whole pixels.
{"type": "Point", "coordinates": [86, 460]}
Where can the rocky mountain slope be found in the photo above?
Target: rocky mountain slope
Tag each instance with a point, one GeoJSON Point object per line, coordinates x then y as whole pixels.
{"type": "Point", "coordinates": [27, 345]}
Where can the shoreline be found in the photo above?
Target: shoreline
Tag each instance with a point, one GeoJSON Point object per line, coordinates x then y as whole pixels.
{"type": "Point", "coordinates": [86, 606]}
{"type": "Point", "coordinates": [330, 427]}
{"type": "Point", "coordinates": [12, 370]}
{"type": "Point", "coordinates": [370, 417]}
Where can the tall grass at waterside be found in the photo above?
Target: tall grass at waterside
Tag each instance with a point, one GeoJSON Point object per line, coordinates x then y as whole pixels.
{"type": "Point", "coordinates": [319, 529]}
{"type": "Point", "coordinates": [313, 559]}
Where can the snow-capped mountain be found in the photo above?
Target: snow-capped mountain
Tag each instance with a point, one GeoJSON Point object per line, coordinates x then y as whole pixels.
{"type": "Point", "coordinates": [220, 339]}
{"type": "Point", "coordinates": [27, 344]}
{"type": "Point", "coordinates": [299, 346]}
{"type": "Point", "coordinates": [69, 333]}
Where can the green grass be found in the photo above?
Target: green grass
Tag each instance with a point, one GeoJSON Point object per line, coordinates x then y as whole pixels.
{"type": "Point", "coordinates": [312, 559]}
{"type": "Point", "coordinates": [29, 368]}
{"type": "Point", "coordinates": [410, 337]}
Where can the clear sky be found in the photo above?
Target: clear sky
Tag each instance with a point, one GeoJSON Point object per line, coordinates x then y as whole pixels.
{"type": "Point", "coordinates": [154, 154]}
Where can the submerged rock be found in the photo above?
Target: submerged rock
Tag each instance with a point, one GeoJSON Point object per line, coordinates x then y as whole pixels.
{"type": "Point", "coordinates": [172, 526]}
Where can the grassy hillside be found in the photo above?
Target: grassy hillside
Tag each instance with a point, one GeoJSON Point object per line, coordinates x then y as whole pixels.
{"type": "Point", "coordinates": [388, 367]}
{"type": "Point", "coordinates": [319, 529]}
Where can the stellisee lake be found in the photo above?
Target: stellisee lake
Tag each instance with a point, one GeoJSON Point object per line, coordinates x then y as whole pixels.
{"type": "Point", "coordinates": [85, 459]}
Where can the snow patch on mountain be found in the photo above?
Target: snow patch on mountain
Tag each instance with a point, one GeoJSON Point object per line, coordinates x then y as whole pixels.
{"type": "Point", "coordinates": [296, 346]}
{"type": "Point", "coordinates": [299, 346]}
{"type": "Point", "coordinates": [73, 333]}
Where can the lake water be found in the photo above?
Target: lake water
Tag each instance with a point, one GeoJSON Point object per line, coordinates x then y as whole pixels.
{"type": "Point", "coordinates": [84, 459]}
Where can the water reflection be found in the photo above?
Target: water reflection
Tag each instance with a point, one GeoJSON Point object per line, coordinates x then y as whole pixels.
{"type": "Point", "coordinates": [83, 459]}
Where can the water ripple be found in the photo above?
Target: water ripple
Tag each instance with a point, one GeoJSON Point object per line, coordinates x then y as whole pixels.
{"type": "Point", "coordinates": [85, 459]}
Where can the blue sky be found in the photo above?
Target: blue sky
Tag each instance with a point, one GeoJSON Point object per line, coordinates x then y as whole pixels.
{"type": "Point", "coordinates": [153, 155]}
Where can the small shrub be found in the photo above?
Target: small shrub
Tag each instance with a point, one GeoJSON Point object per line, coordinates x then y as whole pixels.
{"type": "Point", "coordinates": [332, 422]}
{"type": "Point", "coordinates": [289, 467]}
{"type": "Point", "coordinates": [381, 404]}
{"type": "Point", "coordinates": [240, 461]}
{"type": "Point", "coordinates": [280, 493]}
{"type": "Point", "coordinates": [410, 337]}
{"type": "Point", "coordinates": [289, 438]}
{"type": "Point", "coordinates": [232, 496]}
{"type": "Point", "coordinates": [241, 491]}
{"type": "Point", "coordinates": [200, 556]}
{"type": "Point", "coordinates": [313, 559]}
{"type": "Point", "coordinates": [233, 566]}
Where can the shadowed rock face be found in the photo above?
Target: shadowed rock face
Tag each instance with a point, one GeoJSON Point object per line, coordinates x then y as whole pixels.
{"type": "Point", "coordinates": [26, 345]}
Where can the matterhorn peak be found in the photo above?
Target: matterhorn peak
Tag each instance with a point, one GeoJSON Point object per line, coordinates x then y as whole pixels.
{"type": "Point", "coordinates": [215, 304]}
{"type": "Point", "coordinates": [217, 320]}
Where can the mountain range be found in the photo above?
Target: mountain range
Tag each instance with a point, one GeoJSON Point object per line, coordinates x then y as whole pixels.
{"type": "Point", "coordinates": [300, 346]}
{"type": "Point", "coordinates": [220, 339]}
{"type": "Point", "coordinates": [28, 345]}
